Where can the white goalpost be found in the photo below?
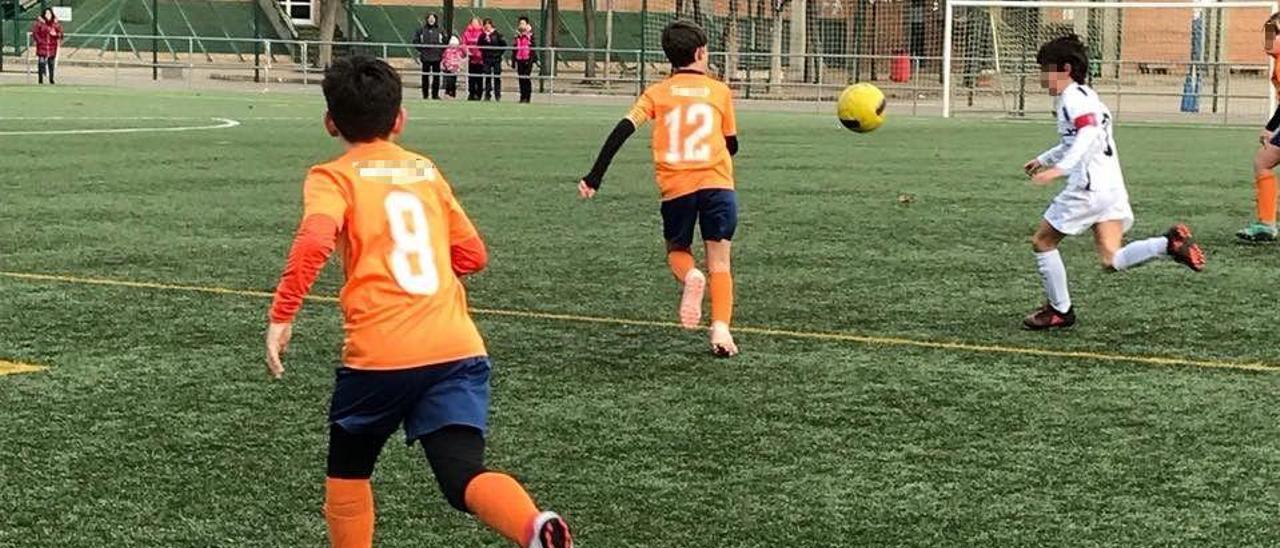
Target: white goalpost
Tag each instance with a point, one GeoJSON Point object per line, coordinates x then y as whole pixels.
{"type": "Point", "coordinates": [1151, 60]}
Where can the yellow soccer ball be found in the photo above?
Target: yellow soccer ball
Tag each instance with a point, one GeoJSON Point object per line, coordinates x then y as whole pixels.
{"type": "Point", "coordinates": [861, 107]}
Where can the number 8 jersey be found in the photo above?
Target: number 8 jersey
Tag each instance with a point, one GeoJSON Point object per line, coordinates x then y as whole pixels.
{"type": "Point", "coordinates": [400, 231]}
{"type": "Point", "coordinates": [692, 115]}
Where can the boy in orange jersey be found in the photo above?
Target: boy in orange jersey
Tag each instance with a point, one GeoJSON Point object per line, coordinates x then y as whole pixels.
{"type": "Point", "coordinates": [694, 140]}
{"type": "Point", "coordinates": [1263, 229]}
{"type": "Point", "coordinates": [412, 355]}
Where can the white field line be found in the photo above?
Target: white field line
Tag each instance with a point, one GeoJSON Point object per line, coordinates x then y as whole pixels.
{"type": "Point", "coordinates": [222, 123]}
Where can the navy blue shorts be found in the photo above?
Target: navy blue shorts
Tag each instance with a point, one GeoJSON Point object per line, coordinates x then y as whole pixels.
{"type": "Point", "coordinates": [1275, 139]}
{"type": "Point", "coordinates": [714, 209]}
{"type": "Point", "coordinates": [424, 399]}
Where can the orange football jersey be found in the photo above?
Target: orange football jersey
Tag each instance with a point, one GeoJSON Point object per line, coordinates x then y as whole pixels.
{"type": "Point", "coordinates": [402, 304]}
{"type": "Point", "coordinates": [692, 114]}
{"type": "Point", "coordinates": [1275, 74]}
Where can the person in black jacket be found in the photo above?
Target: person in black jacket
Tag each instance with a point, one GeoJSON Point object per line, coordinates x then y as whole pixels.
{"type": "Point", "coordinates": [431, 41]}
{"type": "Point", "coordinates": [494, 46]}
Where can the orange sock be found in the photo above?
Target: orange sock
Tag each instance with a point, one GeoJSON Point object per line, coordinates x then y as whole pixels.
{"type": "Point", "coordinates": [681, 262]}
{"type": "Point", "coordinates": [348, 507]}
{"type": "Point", "coordinates": [1265, 187]}
{"type": "Point", "coordinates": [721, 297]}
{"type": "Point", "coordinates": [502, 503]}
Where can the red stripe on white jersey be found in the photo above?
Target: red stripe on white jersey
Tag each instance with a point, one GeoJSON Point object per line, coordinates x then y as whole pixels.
{"type": "Point", "coordinates": [1084, 121]}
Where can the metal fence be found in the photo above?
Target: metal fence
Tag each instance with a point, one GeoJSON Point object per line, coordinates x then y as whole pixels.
{"type": "Point", "coordinates": [1239, 92]}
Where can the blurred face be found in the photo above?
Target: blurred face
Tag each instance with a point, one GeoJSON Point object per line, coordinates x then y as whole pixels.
{"type": "Point", "coordinates": [524, 25]}
{"type": "Point", "coordinates": [431, 19]}
{"type": "Point", "coordinates": [1054, 80]}
{"type": "Point", "coordinates": [475, 22]}
{"type": "Point", "coordinates": [1273, 43]}
{"type": "Point", "coordinates": [47, 14]}
{"type": "Point", "coordinates": [488, 27]}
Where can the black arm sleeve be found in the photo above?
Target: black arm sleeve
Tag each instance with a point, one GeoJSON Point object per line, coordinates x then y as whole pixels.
{"type": "Point", "coordinates": [731, 143]}
{"type": "Point", "coordinates": [1274, 123]}
{"type": "Point", "coordinates": [620, 134]}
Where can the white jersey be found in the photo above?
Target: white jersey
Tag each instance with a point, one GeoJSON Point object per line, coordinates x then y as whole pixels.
{"type": "Point", "coordinates": [1087, 152]}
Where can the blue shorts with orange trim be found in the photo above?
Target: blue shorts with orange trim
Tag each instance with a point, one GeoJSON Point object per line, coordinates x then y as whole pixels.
{"type": "Point", "coordinates": [424, 399]}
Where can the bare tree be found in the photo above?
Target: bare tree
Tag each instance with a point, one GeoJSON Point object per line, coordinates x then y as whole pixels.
{"type": "Point", "coordinates": [328, 23]}
{"type": "Point", "coordinates": [447, 18]}
{"type": "Point", "coordinates": [589, 18]}
{"type": "Point", "coordinates": [775, 42]}
{"type": "Point", "coordinates": [813, 68]}
{"type": "Point", "coordinates": [551, 36]}
{"type": "Point", "coordinates": [731, 42]}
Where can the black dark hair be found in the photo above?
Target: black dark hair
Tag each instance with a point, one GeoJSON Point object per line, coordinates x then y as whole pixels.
{"type": "Point", "coordinates": [681, 40]}
{"type": "Point", "coordinates": [363, 95]}
{"type": "Point", "coordinates": [524, 18]}
{"type": "Point", "coordinates": [488, 22]}
{"type": "Point", "coordinates": [48, 11]}
{"type": "Point", "coordinates": [1063, 51]}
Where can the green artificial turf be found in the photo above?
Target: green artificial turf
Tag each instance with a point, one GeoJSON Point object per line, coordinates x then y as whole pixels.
{"type": "Point", "coordinates": [155, 424]}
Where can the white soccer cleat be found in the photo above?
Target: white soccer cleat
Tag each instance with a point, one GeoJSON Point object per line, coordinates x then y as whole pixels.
{"type": "Point", "coordinates": [722, 341]}
{"type": "Point", "coordinates": [695, 286]}
{"type": "Point", "coordinates": [550, 531]}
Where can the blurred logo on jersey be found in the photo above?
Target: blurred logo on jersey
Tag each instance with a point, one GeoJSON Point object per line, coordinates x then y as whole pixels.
{"type": "Point", "coordinates": [690, 92]}
{"type": "Point", "coordinates": [397, 172]}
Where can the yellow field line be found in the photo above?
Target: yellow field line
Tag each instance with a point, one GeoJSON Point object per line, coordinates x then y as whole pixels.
{"type": "Point", "coordinates": [822, 336]}
{"type": "Point", "coordinates": [13, 368]}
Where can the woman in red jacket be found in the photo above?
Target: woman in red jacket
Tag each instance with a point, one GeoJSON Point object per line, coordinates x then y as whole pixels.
{"type": "Point", "coordinates": [47, 33]}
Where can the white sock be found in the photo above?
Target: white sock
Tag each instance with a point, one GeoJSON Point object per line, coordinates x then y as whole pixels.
{"type": "Point", "coordinates": [1140, 252]}
{"type": "Point", "coordinates": [1054, 275]}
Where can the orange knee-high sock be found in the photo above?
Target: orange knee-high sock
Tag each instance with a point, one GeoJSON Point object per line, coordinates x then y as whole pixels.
{"type": "Point", "coordinates": [502, 503]}
{"type": "Point", "coordinates": [721, 297]}
{"type": "Point", "coordinates": [348, 508]}
{"type": "Point", "coordinates": [1265, 187]}
{"type": "Point", "coordinates": [681, 262]}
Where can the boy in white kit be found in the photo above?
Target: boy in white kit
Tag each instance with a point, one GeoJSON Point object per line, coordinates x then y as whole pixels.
{"type": "Point", "coordinates": [1095, 196]}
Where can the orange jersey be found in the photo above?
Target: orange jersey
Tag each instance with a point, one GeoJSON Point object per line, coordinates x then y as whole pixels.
{"type": "Point", "coordinates": [1275, 74]}
{"type": "Point", "coordinates": [402, 304]}
{"type": "Point", "coordinates": [692, 114]}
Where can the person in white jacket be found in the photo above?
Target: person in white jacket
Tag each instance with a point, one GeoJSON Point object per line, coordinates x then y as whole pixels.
{"type": "Point", "coordinates": [1094, 197]}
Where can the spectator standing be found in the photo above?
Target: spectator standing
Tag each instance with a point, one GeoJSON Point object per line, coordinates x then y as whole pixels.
{"type": "Point", "coordinates": [524, 57]}
{"type": "Point", "coordinates": [431, 41]}
{"type": "Point", "coordinates": [454, 57]}
{"type": "Point", "coordinates": [475, 59]}
{"type": "Point", "coordinates": [47, 33]}
{"type": "Point", "coordinates": [494, 46]}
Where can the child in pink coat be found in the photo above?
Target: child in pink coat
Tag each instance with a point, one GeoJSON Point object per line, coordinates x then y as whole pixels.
{"type": "Point", "coordinates": [454, 57]}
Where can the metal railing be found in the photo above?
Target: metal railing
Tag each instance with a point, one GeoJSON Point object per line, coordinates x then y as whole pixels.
{"type": "Point", "coordinates": [818, 78]}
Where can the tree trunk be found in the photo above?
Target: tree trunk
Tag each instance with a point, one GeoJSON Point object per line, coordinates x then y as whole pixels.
{"type": "Point", "coordinates": [589, 19]}
{"type": "Point", "coordinates": [798, 39]}
{"type": "Point", "coordinates": [447, 18]}
{"type": "Point", "coordinates": [731, 42]}
{"type": "Point", "coordinates": [814, 44]}
{"type": "Point", "coordinates": [775, 43]}
{"type": "Point", "coordinates": [551, 39]}
{"type": "Point", "coordinates": [328, 22]}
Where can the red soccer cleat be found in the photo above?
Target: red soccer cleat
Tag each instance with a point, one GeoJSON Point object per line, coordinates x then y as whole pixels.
{"type": "Point", "coordinates": [1183, 248]}
{"type": "Point", "coordinates": [1046, 317]}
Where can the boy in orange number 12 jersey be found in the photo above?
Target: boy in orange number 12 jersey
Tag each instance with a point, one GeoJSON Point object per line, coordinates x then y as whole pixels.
{"type": "Point", "coordinates": [412, 355]}
{"type": "Point", "coordinates": [694, 140]}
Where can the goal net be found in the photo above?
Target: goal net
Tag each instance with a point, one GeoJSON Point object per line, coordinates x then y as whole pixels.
{"type": "Point", "coordinates": [809, 50]}
{"type": "Point", "coordinates": [1149, 60]}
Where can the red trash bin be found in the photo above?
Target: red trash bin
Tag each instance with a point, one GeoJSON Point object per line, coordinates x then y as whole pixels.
{"type": "Point", "coordinates": [900, 68]}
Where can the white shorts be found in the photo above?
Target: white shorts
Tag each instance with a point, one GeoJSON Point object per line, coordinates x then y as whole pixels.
{"type": "Point", "coordinates": [1076, 210]}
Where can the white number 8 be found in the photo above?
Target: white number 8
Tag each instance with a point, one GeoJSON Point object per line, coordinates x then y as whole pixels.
{"type": "Point", "coordinates": [412, 261]}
